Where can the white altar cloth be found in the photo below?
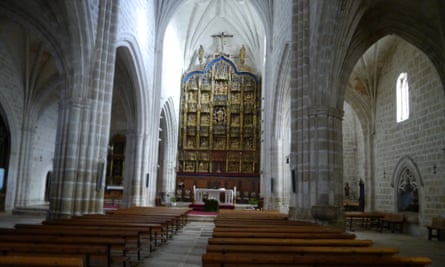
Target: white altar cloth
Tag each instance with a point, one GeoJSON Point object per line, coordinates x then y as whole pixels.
{"type": "Point", "coordinates": [200, 193]}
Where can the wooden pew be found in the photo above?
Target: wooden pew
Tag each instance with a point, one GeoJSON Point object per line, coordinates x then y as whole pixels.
{"type": "Point", "coordinates": [262, 259]}
{"type": "Point", "coordinates": [131, 236]}
{"type": "Point", "coordinates": [180, 213]}
{"type": "Point", "coordinates": [249, 213]}
{"type": "Point", "coordinates": [140, 233]}
{"type": "Point", "coordinates": [86, 252]}
{"type": "Point", "coordinates": [153, 228]}
{"type": "Point", "coordinates": [40, 261]}
{"type": "Point", "coordinates": [289, 242]}
{"type": "Point", "coordinates": [367, 219]}
{"type": "Point", "coordinates": [320, 235]}
{"type": "Point", "coordinates": [169, 224]}
{"type": "Point", "coordinates": [110, 243]}
{"type": "Point", "coordinates": [258, 224]}
{"type": "Point", "coordinates": [274, 229]}
{"type": "Point", "coordinates": [254, 240]}
{"type": "Point", "coordinates": [437, 225]}
{"type": "Point", "coordinates": [296, 250]}
{"type": "Point", "coordinates": [392, 221]}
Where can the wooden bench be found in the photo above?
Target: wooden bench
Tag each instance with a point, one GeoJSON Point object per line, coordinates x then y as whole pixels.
{"type": "Point", "coordinates": [40, 261]}
{"type": "Point", "coordinates": [437, 224]}
{"type": "Point", "coordinates": [281, 259]}
{"type": "Point", "coordinates": [153, 228]}
{"type": "Point", "coordinates": [287, 229]}
{"type": "Point", "coordinates": [259, 224]}
{"type": "Point", "coordinates": [376, 251]}
{"type": "Point", "coordinates": [308, 235]}
{"type": "Point", "coordinates": [112, 244]}
{"type": "Point", "coordinates": [392, 221]}
{"type": "Point", "coordinates": [86, 252]}
{"type": "Point", "coordinates": [289, 242]}
{"type": "Point", "coordinates": [133, 235]}
{"type": "Point", "coordinates": [366, 219]}
{"type": "Point", "coordinates": [168, 223]}
{"type": "Point", "coordinates": [180, 214]}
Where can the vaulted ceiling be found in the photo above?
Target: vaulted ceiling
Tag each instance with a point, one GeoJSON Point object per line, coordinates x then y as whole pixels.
{"type": "Point", "coordinates": [196, 21]}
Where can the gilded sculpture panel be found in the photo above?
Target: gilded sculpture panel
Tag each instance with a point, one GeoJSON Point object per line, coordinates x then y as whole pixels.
{"type": "Point", "coordinates": [219, 120]}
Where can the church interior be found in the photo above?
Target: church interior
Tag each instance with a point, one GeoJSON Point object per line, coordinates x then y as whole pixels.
{"type": "Point", "coordinates": [307, 108]}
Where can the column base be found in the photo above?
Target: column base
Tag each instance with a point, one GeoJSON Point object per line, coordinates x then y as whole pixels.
{"type": "Point", "coordinates": [328, 215]}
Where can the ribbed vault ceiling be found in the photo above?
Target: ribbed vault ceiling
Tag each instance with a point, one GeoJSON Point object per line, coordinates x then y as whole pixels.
{"type": "Point", "coordinates": [195, 21]}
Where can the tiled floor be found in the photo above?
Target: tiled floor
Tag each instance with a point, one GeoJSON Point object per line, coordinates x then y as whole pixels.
{"type": "Point", "coordinates": [186, 248]}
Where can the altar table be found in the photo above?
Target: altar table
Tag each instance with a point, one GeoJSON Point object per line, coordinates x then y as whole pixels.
{"type": "Point", "coordinates": [201, 193]}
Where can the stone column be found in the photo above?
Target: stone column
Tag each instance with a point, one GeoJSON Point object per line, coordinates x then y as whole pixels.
{"type": "Point", "coordinates": [23, 170]}
{"type": "Point", "coordinates": [316, 127]}
{"type": "Point", "coordinates": [326, 165]}
{"type": "Point", "coordinates": [134, 171]}
{"type": "Point", "coordinates": [83, 125]}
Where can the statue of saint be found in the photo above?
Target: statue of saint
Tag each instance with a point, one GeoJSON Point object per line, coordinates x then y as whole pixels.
{"type": "Point", "coordinates": [242, 55]}
{"type": "Point", "coordinates": [220, 115]}
{"type": "Point", "coordinates": [347, 190]}
{"type": "Point", "coordinates": [200, 54]}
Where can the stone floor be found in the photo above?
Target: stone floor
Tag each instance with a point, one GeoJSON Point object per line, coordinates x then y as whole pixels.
{"type": "Point", "coordinates": [186, 248]}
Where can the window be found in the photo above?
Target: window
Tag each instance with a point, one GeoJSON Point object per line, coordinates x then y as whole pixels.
{"type": "Point", "coordinates": [402, 95]}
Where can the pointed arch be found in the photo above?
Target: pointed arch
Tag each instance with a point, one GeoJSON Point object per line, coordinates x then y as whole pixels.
{"type": "Point", "coordinates": [405, 162]}
{"type": "Point", "coordinates": [407, 183]}
{"type": "Point", "coordinates": [167, 147]}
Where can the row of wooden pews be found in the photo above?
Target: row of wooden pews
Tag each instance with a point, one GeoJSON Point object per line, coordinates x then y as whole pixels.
{"type": "Point", "coordinates": [117, 238]}
{"type": "Point", "coordinates": [268, 238]}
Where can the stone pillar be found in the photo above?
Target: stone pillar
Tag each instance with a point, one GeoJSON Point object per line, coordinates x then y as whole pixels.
{"type": "Point", "coordinates": [326, 165]}
{"type": "Point", "coordinates": [135, 172]}
{"type": "Point", "coordinates": [83, 125]}
{"type": "Point", "coordinates": [25, 156]}
{"type": "Point", "coordinates": [316, 127]}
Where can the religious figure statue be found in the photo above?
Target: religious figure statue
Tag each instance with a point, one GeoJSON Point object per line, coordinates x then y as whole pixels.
{"type": "Point", "coordinates": [220, 115]}
{"type": "Point", "coordinates": [242, 55]}
{"type": "Point", "coordinates": [191, 97]}
{"type": "Point", "coordinates": [200, 54]}
{"type": "Point", "coordinates": [205, 98]}
{"type": "Point", "coordinates": [347, 189]}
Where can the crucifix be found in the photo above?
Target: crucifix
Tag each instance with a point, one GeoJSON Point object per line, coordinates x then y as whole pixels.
{"type": "Point", "coordinates": [221, 38]}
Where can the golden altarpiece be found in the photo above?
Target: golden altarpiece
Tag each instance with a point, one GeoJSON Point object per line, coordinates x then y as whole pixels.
{"type": "Point", "coordinates": [219, 142]}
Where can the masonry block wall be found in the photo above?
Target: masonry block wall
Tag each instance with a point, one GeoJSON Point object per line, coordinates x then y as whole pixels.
{"type": "Point", "coordinates": [421, 137]}
{"type": "Point", "coordinates": [42, 153]}
{"type": "Point", "coordinates": [352, 146]}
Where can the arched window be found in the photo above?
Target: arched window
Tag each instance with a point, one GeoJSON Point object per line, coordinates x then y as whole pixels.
{"type": "Point", "coordinates": [402, 94]}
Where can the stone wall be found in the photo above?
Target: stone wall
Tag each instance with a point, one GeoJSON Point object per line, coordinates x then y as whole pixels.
{"type": "Point", "coordinates": [421, 137]}
{"type": "Point", "coordinates": [352, 146]}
